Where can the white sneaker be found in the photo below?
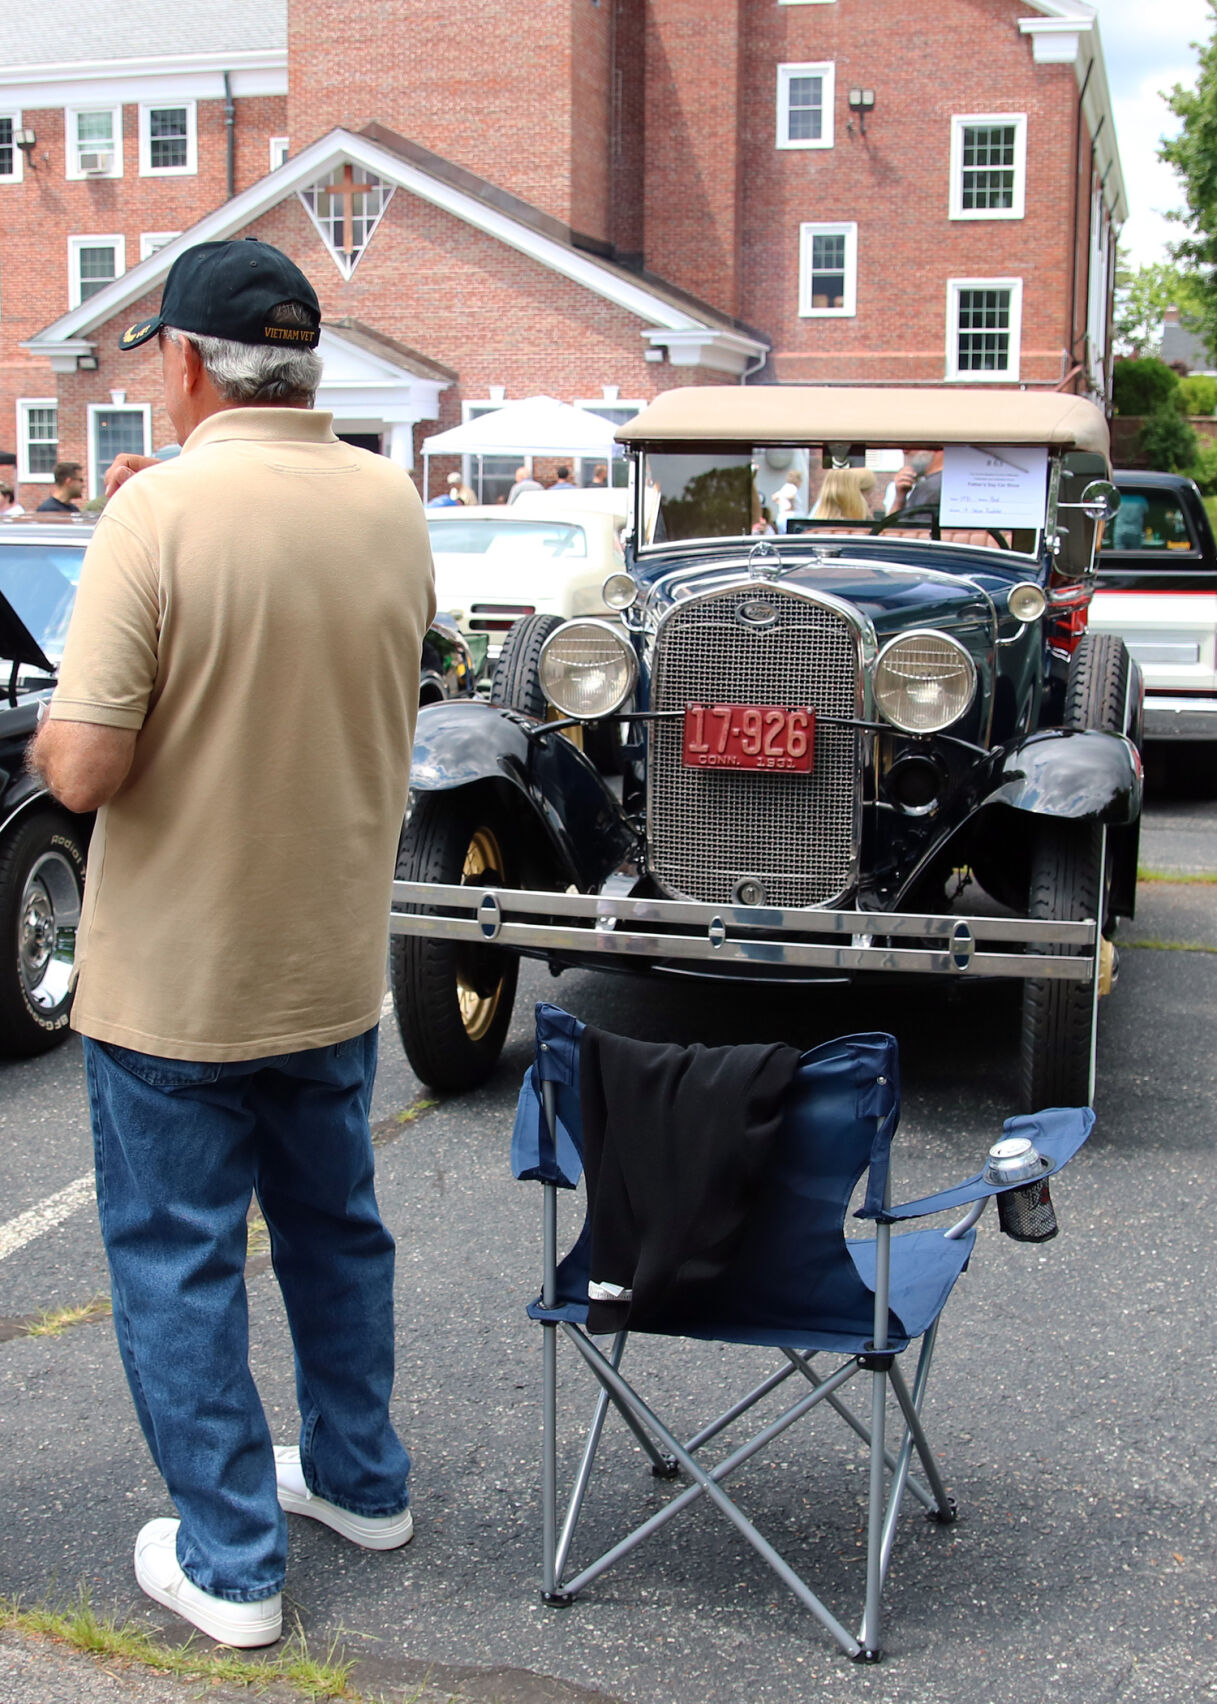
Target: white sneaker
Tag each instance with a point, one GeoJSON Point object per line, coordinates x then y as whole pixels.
{"type": "Point", "coordinates": [160, 1575]}
{"type": "Point", "coordinates": [374, 1532]}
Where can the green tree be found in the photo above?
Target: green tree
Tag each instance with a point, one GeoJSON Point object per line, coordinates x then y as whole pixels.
{"type": "Point", "coordinates": [1193, 155]}
{"type": "Point", "coordinates": [1143, 295]}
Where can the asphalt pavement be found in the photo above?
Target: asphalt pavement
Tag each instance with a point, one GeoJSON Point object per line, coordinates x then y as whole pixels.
{"type": "Point", "coordinates": [1071, 1403]}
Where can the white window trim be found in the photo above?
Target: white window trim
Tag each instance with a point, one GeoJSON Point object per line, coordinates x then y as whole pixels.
{"type": "Point", "coordinates": [971, 375]}
{"type": "Point", "coordinates": [831, 228]}
{"type": "Point", "coordinates": [75, 244]}
{"type": "Point", "coordinates": [24, 404]}
{"type": "Point", "coordinates": [93, 409]}
{"type": "Point", "coordinates": [17, 175]}
{"type": "Point", "coordinates": [807, 2]}
{"type": "Point", "coordinates": [826, 69]}
{"type": "Point", "coordinates": [279, 146]}
{"type": "Point", "coordinates": [150, 241]}
{"type": "Point", "coordinates": [71, 149]}
{"type": "Point", "coordinates": [146, 168]}
{"type": "Point", "coordinates": [960, 122]}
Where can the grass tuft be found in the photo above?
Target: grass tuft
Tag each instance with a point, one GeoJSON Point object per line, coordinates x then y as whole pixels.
{"type": "Point", "coordinates": [1177, 878]}
{"type": "Point", "coordinates": [79, 1625]}
{"type": "Point", "coordinates": [53, 1322]}
{"type": "Point", "coordinates": [1171, 946]}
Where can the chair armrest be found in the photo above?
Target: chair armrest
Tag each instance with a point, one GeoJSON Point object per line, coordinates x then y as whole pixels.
{"type": "Point", "coordinates": [1057, 1132]}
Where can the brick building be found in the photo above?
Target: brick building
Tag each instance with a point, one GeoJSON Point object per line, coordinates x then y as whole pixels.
{"type": "Point", "coordinates": [594, 199]}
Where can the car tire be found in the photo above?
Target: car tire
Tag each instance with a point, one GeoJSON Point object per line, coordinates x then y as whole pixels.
{"type": "Point", "coordinates": [517, 674]}
{"type": "Point", "coordinates": [452, 999]}
{"type": "Point", "coordinates": [1058, 1017]}
{"type": "Point", "coordinates": [1096, 692]}
{"type": "Point", "coordinates": [42, 874]}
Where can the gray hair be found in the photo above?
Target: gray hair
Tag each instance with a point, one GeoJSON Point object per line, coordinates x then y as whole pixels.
{"type": "Point", "coordinates": [255, 372]}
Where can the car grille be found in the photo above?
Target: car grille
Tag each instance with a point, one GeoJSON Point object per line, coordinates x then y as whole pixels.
{"type": "Point", "coordinates": [795, 833]}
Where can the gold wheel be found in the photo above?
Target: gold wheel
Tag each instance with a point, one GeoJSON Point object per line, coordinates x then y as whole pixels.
{"type": "Point", "coordinates": [483, 867]}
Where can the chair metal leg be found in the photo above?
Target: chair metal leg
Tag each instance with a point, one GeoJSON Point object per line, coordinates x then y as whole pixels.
{"type": "Point", "coordinates": [802, 1363]}
{"type": "Point", "coordinates": [708, 1483]}
{"type": "Point", "coordinates": [579, 1490]}
{"type": "Point", "coordinates": [868, 1637]}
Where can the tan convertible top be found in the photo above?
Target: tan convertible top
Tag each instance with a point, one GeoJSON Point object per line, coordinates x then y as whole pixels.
{"type": "Point", "coordinates": [816, 414]}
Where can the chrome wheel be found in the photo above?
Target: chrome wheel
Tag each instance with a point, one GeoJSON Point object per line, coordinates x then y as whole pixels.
{"type": "Point", "coordinates": [48, 917]}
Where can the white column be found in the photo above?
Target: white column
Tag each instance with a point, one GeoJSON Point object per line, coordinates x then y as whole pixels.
{"type": "Point", "coordinates": [401, 444]}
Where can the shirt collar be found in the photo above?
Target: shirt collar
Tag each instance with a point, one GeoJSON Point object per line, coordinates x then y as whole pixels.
{"type": "Point", "coordinates": [264, 426]}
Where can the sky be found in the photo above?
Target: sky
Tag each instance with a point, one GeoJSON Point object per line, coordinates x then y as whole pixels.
{"type": "Point", "coordinates": [1147, 48]}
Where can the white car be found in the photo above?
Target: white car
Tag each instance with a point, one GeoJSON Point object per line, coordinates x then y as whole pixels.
{"type": "Point", "coordinates": [495, 564]}
{"type": "Point", "coordinates": [1157, 590]}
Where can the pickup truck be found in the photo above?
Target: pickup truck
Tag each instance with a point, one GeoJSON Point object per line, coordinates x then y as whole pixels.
{"type": "Point", "coordinates": [1157, 589]}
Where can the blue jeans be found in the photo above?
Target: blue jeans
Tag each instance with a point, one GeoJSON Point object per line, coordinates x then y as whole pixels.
{"type": "Point", "coordinates": [180, 1148]}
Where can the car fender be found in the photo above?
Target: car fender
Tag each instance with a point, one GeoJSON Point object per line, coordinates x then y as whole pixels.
{"type": "Point", "coordinates": [458, 745]}
{"type": "Point", "coordinates": [25, 790]}
{"type": "Point", "coordinates": [1082, 775]}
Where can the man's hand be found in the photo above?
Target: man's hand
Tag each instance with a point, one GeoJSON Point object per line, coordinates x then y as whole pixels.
{"type": "Point", "coordinates": [904, 483]}
{"type": "Point", "coordinates": [125, 467]}
{"type": "Point", "coordinates": [83, 763]}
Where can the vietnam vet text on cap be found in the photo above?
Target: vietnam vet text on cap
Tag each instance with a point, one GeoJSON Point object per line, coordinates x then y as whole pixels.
{"type": "Point", "coordinates": [231, 290]}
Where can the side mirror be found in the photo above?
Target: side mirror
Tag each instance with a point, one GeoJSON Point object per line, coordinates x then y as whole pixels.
{"type": "Point", "coordinates": [1100, 500]}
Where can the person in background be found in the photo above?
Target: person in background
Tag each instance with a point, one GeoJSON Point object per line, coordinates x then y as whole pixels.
{"type": "Point", "coordinates": [564, 482]}
{"type": "Point", "coordinates": [918, 485]}
{"type": "Point", "coordinates": [450, 497]}
{"type": "Point", "coordinates": [524, 482]}
{"type": "Point", "coordinates": [237, 701]}
{"type": "Point", "coordinates": [599, 477]}
{"type": "Point", "coordinates": [840, 499]}
{"type": "Point", "coordinates": [8, 502]}
{"type": "Point", "coordinates": [787, 498]}
{"type": "Point", "coordinates": [68, 488]}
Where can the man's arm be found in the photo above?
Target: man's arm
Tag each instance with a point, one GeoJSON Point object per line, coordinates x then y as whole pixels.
{"type": "Point", "coordinates": [83, 763]}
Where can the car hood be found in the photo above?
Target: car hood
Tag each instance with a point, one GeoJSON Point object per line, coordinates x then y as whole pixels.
{"type": "Point", "coordinates": [17, 643]}
{"type": "Point", "coordinates": [892, 597]}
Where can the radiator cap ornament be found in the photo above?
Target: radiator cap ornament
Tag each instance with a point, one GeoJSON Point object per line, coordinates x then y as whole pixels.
{"type": "Point", "coordinates": [764, 563]}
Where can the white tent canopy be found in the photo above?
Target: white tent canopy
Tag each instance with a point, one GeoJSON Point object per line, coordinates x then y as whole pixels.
{"type": "Point", "coordinates": [538, 426]}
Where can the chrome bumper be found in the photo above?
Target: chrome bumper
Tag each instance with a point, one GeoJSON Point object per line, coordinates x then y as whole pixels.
{"type": "Point", "coordinates": [1181, 718]}
{"type": "Point", "coordinates": [585, 924]}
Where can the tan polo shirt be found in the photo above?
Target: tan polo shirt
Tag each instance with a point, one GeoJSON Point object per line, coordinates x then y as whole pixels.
{"type": "Point", "coordinates": [256, 609]}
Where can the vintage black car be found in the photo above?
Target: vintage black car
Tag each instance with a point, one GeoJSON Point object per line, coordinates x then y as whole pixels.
{"type": "Point", "coordinates": [42, 846]}
{"type": "Point", "coordinates": [799, 753]}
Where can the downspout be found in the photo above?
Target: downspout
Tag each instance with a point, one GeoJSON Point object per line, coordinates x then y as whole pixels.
{"type": "Point", "coordinates": [1077, 173]}
{"type": "Point", "coordinates": [230, 135]}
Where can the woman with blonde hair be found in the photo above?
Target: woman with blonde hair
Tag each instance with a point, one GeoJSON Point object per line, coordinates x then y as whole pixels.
{"type": "Point", "coordinates": [840, 498]}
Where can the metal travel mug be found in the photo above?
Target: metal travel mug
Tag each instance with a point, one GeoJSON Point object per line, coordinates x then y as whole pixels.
{"type": "Point", "coordinates": [1025, 1214]}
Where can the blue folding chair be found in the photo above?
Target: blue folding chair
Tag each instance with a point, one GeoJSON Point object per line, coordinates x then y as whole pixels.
{"type": "Point", "coordinates": [796, 1283]}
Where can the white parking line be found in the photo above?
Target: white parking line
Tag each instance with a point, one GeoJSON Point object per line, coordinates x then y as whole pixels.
{"type": "Point", "coordinates": [45, 1216]}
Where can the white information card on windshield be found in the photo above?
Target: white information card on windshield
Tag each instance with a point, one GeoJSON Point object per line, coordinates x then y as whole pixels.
{"type": "Point", "coordinates": [993, 485]}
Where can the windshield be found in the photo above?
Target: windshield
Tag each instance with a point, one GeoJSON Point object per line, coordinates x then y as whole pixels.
{"type": "Point", "coordinates": [988, 495]}
{"type": "Point", "coordinates": [40, 581]}
{"type": "Point", "coordinates": [506, 538]}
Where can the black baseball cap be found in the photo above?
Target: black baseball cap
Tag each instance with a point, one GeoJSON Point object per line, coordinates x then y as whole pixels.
{"type": "Point", "coordinates": [229, 290]}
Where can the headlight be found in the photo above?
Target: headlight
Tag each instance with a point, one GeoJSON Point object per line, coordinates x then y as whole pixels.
{"type": "Point", "coordinates": [587, 669]}
{"type": "Point", "coordinates": [1027, 601]}
{"type": "Point", "coordinates": [619, 592]}
{"type": "Point", "coordinates": [924, 682]}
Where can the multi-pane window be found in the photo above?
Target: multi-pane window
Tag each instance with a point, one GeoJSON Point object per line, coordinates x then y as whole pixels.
{"type": "Point", "coordinates": [10, 154]}
{"type": "Point", "coordinates": [37, 438]}
{"type": "Point", "coordinates": [93, 262]}
{"type": "Point", "coordinates": [346, 208]}
{"type": "Point", "coordinates": [984, 328]}
{"type": "Point", "coordinates": [94, 142]}
{"type": "Point", "coordinates": [988, 166]}
{"type": "Point", "coordinates": [113, 431]}
{"type": "Point", "coordinates": [828, 268]}
{"type": "Point", "coordinates": [167, 143]}
{"type": "Point", "coordinates": [804, 106]}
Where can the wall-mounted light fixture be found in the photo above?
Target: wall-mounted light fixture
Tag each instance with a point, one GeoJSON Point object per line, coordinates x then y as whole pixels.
{"type": "Point", "coordinates": [862, 101]}
{"type": "Point", "coordinates": [27, 142]}
{"type": "Point", "coordinates": [86, 363]}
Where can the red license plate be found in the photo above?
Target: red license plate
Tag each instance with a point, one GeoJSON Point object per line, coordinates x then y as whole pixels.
{"type": "Point", "coordinates": [749, 736]}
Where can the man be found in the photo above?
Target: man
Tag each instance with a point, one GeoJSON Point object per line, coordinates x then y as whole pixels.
{"type": "Point", "coordinates": [524, 481]}
{"type": "Point", "coordinates": [564, 482]}
{"type": "Point", "coordinates": [8, 501]}
{"type": "Point", "coordinates": [918, 485]}
{"type": "Point", "coordinates": [69, 485]}
{"type": "Point", "coordinates": [237, 701]}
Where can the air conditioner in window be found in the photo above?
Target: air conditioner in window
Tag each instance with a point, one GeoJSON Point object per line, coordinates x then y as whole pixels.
{"type": "Point", "coordinates": [96, 162]}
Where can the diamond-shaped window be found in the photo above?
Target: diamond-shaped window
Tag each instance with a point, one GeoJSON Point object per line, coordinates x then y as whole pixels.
{"type": "Point", "coordinates": [346, 208]}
